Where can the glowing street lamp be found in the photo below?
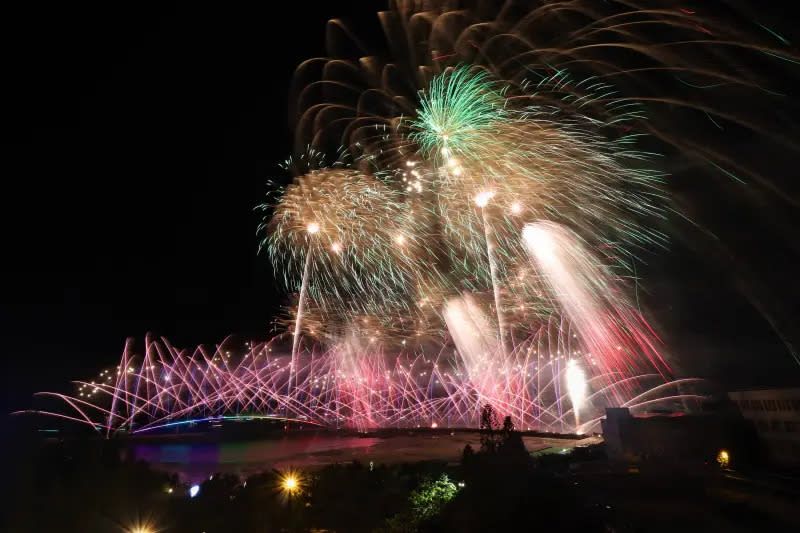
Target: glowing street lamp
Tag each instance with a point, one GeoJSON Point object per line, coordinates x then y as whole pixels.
{"type": "Point", "coordinates": [723, 458]}
{"type": "Point", "coordinates": [141, 527]}
{"type": "Point", "coordinates": [290, 483]}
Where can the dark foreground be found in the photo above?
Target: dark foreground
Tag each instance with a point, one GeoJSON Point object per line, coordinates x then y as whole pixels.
{"type": "Point", "coordinates": [84, 486]}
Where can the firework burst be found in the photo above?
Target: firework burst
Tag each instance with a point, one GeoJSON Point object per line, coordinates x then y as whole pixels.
{"type": "Point", "coordinates": [528, 160]}
{"type": "Point", "coordinates": [478, 244]}
{"type": "Point", "coordinates": [356, 384]}
{"type": "Point", "coordinates": [356, 235]}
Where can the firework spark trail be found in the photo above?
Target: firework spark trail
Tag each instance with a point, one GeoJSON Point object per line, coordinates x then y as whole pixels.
{"type": "Point", "coordinates": [351, 241]}
{"type": "Point", "coordinates": [640, 50]}
{"type": "Point", "coordinates": [586, 293]}
{"type": "Point", "coordinates": [576, 386]}
{"type": "Point", "coordinates": [490, 253]}
{"type": "Point", "coordinates": [518, 160]}
{"type": "Point", "coordinates": [670, 78]}
{"type": "Point", "coordinates": [387, 248]}
{"type": "Point", "coordinates": [360, 386]}
{"type": "Point", "coordinates": [474, 339]}
{"type": "Point", "coordinates": [299, 321]}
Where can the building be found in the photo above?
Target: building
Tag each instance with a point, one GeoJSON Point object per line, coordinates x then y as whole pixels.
{"type": "Point", "coordinates": [775, 413]}
{"type": "Point", "coordinates": [666, 438]}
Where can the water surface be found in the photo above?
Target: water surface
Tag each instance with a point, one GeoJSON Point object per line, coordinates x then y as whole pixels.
{"type": "Point", "coordinates": [196, 461]}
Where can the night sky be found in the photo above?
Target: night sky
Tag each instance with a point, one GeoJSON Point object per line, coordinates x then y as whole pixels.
{"type": "Point", "coordinates": [137, 140]}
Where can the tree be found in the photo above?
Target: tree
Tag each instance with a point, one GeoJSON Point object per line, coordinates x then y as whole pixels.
{"type": "Point", "coordinates": [428, 499]}
{"type": "Point", "coordinates": [488, 426]}
{"type": "Point", "coordinates": [508, 425]}
{"type": "Point", "coordinates": [488, 418]}
{"type": "Point", "coordinates": [425, 503]}
{"type": "Point", "coordinates": [467, 455]}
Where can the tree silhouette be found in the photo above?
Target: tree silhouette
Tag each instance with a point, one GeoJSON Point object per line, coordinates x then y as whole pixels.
{"type": "Point", "coordinates": [508, 425]}
{"type": "Point", "coordinates": [488, 426]}
{"type": "Point", "coordinates": [511, 441]}
{"type": "Point", "coordinates": [467, 455]}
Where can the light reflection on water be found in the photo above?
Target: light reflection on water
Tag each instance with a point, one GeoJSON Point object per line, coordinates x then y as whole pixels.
{"type": "Point", "coordinates": [195, 462]}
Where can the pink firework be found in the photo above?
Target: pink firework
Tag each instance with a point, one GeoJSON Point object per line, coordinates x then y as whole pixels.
{"type": "Point", "coordinates": [361, 385]}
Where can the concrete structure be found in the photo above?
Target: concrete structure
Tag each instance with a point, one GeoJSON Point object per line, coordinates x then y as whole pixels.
{"type": "Point", "coordinates": [674, 437]}
{"type": "Point", "coordinates": [775, 413]}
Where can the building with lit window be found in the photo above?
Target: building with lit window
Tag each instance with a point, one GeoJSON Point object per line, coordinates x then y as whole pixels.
{"type": "Point", "coordinates": [775, 413]}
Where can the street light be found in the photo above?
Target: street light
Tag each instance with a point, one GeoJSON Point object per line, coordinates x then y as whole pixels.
{"type": "Point", "coordinates": [723, 458]}
{"type": "Point", "coordinates": [141, 527]}
{"type": "Point", "coordinates": [290, 484]}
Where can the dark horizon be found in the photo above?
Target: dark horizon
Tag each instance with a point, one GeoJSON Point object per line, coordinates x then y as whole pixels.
{"type": "Point", "coordinates": [137, 144]}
